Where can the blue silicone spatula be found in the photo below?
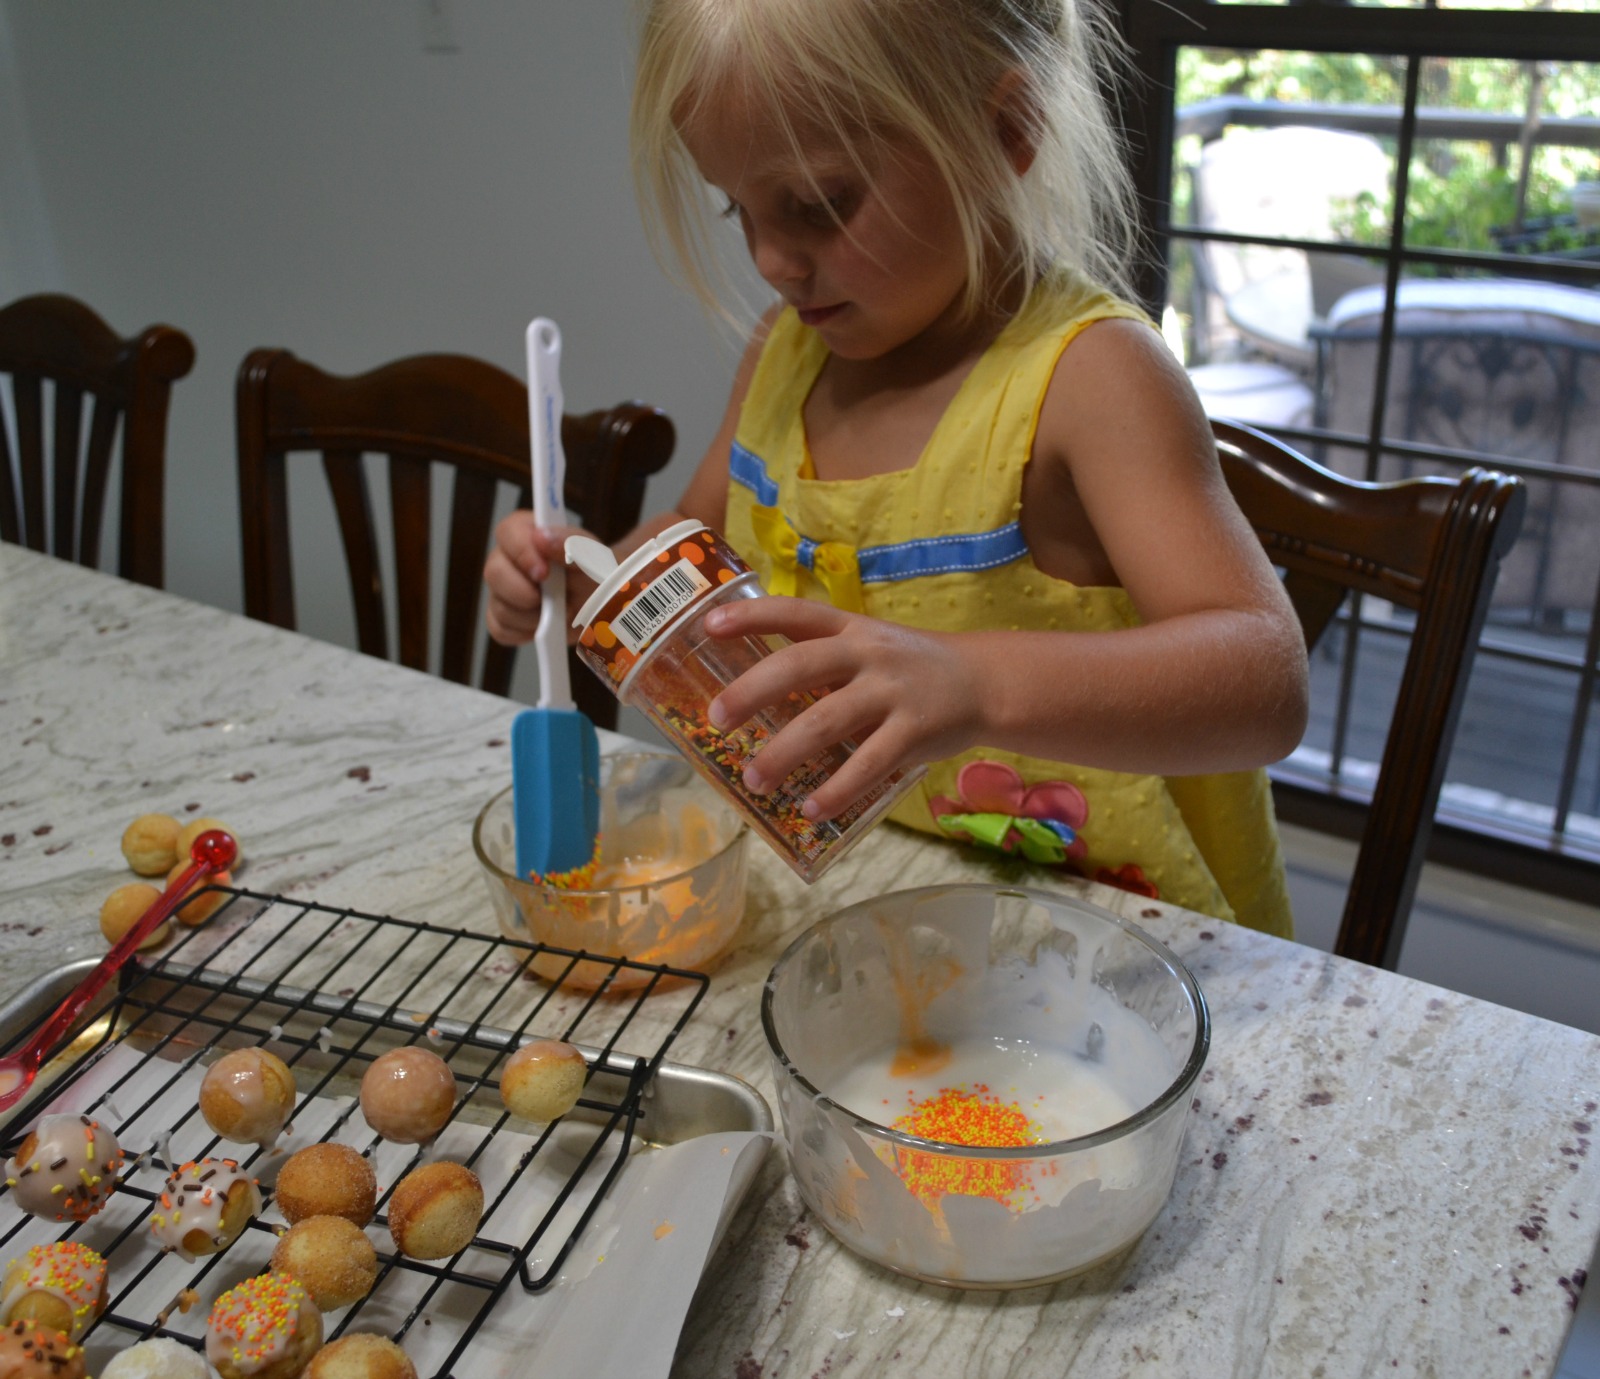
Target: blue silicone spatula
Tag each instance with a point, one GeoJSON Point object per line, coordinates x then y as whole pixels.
{"type": "Point", "coordinates": [555, 754]}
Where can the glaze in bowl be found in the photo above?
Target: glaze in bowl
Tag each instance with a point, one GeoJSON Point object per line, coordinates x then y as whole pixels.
{"type": "Point", "coordinates": [983, 1087]}
{"type": "Point", "coordinates": [675, 854]}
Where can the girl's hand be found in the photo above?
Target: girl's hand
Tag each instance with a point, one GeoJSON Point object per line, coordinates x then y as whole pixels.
{"type": "Point", "coordinates": [904, 696]}
{"type": "Point", "coordinates": [518, 565]}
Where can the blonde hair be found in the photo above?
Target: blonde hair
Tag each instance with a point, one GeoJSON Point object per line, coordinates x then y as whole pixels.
{"type": "Point", "coordinates": [930, 71]}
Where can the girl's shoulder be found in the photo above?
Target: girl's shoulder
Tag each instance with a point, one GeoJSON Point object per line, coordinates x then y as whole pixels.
{"type": "Point", "coordinates": [1062, 304]}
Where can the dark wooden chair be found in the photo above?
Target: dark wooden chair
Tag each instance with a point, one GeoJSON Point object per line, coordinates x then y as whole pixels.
{"type": "Point", "coordinates": [428, 413]}
{"type": "Point", "coordinates": [1432, 545]}
{"type": "Point", "coordinates": [53, 491]}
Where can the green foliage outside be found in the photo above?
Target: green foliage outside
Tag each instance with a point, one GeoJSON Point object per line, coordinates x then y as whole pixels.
{"type": "Point", "coordinates": [1460, 190]}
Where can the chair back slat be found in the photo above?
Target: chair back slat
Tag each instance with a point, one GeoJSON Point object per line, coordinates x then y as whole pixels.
{"type": "Point", "coordinates": [10, 515]}
{"type": "Point", "coordinates": [65, 453]}
{"type": "Point", "coordinates": [411, 504]}
{"type": "Point", "coordinates": [352, 504]}
{"type": "Point", "coordinates": [103, 422]}
{"type": "Point", "coordinates": [424, 412]}
{"type": "Point", "coordinates": [56, 339]}
{"type": "Point", "coordinates": [1431, 544]}
{"type": "Point", "coordinates": [28, 399]}
{"type": "Point", "coordinates": [472, 507]}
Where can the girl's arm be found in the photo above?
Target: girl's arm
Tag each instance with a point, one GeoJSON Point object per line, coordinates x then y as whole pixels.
{"type": "Point", "coordinates": [1124, 487]}
{"type": "Point", "coordinates": [523, 552]}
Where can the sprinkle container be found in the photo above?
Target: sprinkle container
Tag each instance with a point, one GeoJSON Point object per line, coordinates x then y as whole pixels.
{"type": "Point", "coordinates": [983, 1087]}
{"type": "Point", "coordinates": [643, 633]}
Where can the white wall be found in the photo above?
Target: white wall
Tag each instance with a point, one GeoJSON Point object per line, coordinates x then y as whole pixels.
{"type": "Point", "coordinates": [306, 174]}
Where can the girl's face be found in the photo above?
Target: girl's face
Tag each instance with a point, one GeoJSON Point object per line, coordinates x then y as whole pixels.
{"type": "Point", "coordinates": [873, 263]}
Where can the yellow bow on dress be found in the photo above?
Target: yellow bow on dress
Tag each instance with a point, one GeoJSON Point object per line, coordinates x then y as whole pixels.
{"type": "Point", "coordinates": [832, 562]}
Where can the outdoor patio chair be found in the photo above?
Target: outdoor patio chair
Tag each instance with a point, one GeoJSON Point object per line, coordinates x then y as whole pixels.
{"type": "Point", "coordinates": [1492, 369]}
{"type": "Point", "coordinates": [53, 492]}
{"type": "Point", "coordinates": [462, 420]}
{"type": "Point", "coordinates": [1428, 544]}
{"type": "Point", "coordinates": [1286, 182]}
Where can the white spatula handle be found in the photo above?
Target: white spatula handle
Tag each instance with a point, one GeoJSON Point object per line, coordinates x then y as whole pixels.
{"type": "Point", "coordinates": [549, 476]}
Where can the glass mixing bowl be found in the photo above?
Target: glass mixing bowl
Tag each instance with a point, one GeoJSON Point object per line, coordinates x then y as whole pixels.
{"type": "Point", "coordinates": [981, 1086]}
{"type": "Point", "coordinates": [672, 873]}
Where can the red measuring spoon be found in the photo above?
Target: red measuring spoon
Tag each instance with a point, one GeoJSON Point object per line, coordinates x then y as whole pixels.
{"type": "Point", "coordinates": [213, 851]}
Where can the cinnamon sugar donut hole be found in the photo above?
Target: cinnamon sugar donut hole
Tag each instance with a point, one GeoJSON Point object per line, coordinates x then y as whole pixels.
{"type": "Point", "coordinates": [408, 1094]}
{"type": "Point", "coordinates": [361, 1355]}
{"type": "Point", "coordinates": [125, 907]}
{"type": "Point", "coordinates": [248, 1096]}
{"type": "Point", "coordinates": [333, 1260]}
{"type": "Point", "coordinates": [435, 1210]}
{"type": "Point", "coordinates": [30, 1351]}
{"type": "Point", "coordinates": [543, 1080]}
{"type": "Point", "coordinates": [327, 1180]}
{"type": "Point", "coordinates": [150, 844]}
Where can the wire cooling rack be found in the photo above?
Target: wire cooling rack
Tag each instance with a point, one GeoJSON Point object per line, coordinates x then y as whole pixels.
{"type": "Point", "coordinates": [329, 990]}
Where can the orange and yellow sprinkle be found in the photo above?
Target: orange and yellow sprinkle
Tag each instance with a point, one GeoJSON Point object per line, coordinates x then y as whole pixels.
{"type": "Point", "coordinates": [574, 878]}
{"type": "Point", "coordinates": [968, 1116]}
{"type": "Point", "coordinates": [259, 1319]}
{"type": "Point", "coordinates": [73, 1272]}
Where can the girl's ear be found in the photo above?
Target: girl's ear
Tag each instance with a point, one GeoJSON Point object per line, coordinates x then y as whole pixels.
{"type": "Point", "coordinates": [1014, 117]}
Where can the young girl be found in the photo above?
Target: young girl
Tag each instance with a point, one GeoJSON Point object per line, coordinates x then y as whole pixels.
{"type": "Point", "coordinates": [970, 459]}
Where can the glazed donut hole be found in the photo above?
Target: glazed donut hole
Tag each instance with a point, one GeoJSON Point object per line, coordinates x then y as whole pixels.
{"type": "Point", "coordinates": [125, 906]}
{"type": "Point", "coordinates": [327, 1180]}
{"type": "Point", "coordinates": [333, 1260]}
{"type": "Point", "coordinates": [264, 1328]}
{"type": "Point", "coordinates": [543, 1080]}
{"type": "Point", "coordinates": [204, 1207]}
{"type": "Point", "coordinates": [150, 844]}
{"type": "Point", "coordinates": [65, 1168]}
{"type": "Point", "coordinates": [408, 1094]}
{"type": "Point", "coordinates": [30, 1351]}
{"type": "Point", "coordinates": [247, 1096]}
{"type": "Point", "coordinates": [56, 1287]}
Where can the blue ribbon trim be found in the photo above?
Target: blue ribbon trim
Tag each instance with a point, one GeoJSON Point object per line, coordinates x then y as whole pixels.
{"type": "Point", "coordinates": [927, 555]}
{"type": "Point", "coordinates": [746, 468]}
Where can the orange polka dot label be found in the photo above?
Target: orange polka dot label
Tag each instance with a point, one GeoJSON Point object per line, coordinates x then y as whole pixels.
{"type": "Point", "coordinates": [653, 599]}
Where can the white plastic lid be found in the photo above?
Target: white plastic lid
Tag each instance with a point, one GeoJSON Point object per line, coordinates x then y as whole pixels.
{"type": "Point", "coordinates": [600, 565]}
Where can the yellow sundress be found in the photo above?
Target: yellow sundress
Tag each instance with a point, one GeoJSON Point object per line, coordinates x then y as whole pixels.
{"type": "Point", "coordinates": [939, 546]}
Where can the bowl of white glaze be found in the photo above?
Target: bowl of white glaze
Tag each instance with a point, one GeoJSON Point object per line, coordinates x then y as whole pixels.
{"type": "Point", "coordinates": [982, 1086]}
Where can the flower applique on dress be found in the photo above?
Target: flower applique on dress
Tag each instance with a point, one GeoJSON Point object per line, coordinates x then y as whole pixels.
{"type": "Point", "coordinates": [997, 809]}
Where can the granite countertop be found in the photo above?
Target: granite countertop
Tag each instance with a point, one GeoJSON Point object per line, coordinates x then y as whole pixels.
{"type": "Point", "coordinates": [1379, 1175]}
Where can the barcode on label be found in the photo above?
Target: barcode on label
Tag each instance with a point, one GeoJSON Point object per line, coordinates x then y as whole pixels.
{"type": "Point", "coordinates": [666, 594]}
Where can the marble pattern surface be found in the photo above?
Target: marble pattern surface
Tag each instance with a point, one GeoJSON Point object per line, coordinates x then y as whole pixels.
{"type": "Point", "coordinates": [1379, 1176]}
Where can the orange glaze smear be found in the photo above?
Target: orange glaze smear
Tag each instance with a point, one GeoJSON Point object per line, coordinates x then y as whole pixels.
{"type": "Point", "coordinates": [970, 1116]}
